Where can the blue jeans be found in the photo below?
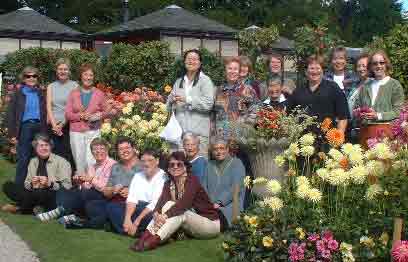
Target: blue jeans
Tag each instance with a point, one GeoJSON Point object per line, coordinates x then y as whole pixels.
{"type": "Point", "coordinates": [74, 200]}
{"type": "Point", "coordinates": [25, 150]}
{"type": "Point", "coordinates": [96, 213]}
{"type": "Point", "coordinates": [117, 211]}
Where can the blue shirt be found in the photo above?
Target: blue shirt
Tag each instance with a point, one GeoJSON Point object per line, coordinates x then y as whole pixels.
{"type": "Point", "coordinates": [32, 104]}
{"type": "Point", "coordinates": [86, 98]}
{"type": "Point", "coordinates": [199, 168]}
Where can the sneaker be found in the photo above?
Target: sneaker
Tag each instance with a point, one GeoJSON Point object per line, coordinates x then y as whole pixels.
{"type": "Point", "coordinates": [38, 210]}
{"type": "Point", "coordinates": [9, 208]}
{"type": "Point", "coordinates": [70, 219]}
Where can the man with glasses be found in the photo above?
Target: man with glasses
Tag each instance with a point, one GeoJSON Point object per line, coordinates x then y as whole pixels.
{"type": "Point", "coordinates": [132, 217]}
{"type": "Point", "coordinates": [26, 116]}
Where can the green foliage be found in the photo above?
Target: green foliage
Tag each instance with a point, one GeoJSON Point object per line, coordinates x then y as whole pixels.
{"type": "Point", "coordinates": [253, 41]}
{"type": "Point", "coordinates": [212, 66]}
{"type": "Point", "coordinates": [313, 40]}
{"type": "Point", "coordinates": [45, 58]}
{"type": "Point", "coordinates": [145, 64]}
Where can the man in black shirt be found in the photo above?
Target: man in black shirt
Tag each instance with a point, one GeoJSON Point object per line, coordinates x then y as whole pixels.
{"type": "Point", "coordinates": [320, 98]}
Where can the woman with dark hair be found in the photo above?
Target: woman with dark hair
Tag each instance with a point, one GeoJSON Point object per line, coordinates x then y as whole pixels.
{"type": "Point", "coordinates": [192, 99]}
{"type": "Point", "coordinates": [181, 194]}
{"type": "Point", "coordinates": [382, 95]}
{"type": "Point", "coordinates": [26, 116]}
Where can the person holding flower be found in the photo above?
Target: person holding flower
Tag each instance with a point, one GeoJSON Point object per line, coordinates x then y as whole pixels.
{"type": "Point", "coordinates": [57, 96]}
{"type": "Point", "coordinates": [85, 109]}
{"type": "Point", "coordinates": [380, 99]}
{"type": "Point", "coordinates": [26, 116]}
{"type": "Point", "coordinates": [192, 99]}
{"type": "Point", "coordinates": [182, 193]}
{"type": "Point", "coordinates": [233, 100]}
{"type": "Point", "coordinates": [320, 97]}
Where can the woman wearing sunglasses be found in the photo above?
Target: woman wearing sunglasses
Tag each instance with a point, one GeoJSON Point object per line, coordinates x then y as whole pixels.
{"type": "Point", "coordinates": [26, 116]}
{"type": "Point", "coordinates": [382, 97]}
{"type": "Point", "coordinates": [181, 194]}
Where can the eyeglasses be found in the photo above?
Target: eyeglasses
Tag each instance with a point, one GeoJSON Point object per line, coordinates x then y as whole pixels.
{"type": "Point", "coordinates": [376, 63]}
{"type": "Point", "coordinates": [30, 76]}
{"type": "Point", "coordinates": [176, 165]}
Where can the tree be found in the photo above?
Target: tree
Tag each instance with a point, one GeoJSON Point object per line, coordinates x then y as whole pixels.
{"type": "Point", "coordinates": [9, 5]}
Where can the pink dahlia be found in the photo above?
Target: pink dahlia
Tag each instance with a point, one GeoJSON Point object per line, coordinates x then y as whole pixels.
{"type": "Point", "coordinates": [332, 245]}
{"type": "Point", "coordinates": [400, 251]}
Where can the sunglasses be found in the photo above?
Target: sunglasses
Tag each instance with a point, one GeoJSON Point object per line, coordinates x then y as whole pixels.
{"type": "Point", "coordinates": [30, 76]}
{"type": "Point", "coordinates": [176, 165]}
{"type": "Point", "coordinates": [376, 63]}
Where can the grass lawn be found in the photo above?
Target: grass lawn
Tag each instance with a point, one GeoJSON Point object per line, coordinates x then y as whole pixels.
{"type": "Point", "coordinates": [53, 243]}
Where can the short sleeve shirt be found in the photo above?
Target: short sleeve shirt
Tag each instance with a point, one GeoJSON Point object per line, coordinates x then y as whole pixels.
{"type": "Point", "coordinates": [327, 101]}
{"type": "Point", "coordinates": [121, 176]}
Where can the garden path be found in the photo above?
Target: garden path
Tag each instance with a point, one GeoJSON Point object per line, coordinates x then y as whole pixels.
{"type": "Point", "coordinates": [13, 248]}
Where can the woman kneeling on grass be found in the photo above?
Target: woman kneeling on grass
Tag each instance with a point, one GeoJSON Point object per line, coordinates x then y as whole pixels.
{"type": "Point", "coordinates": [181, 194]}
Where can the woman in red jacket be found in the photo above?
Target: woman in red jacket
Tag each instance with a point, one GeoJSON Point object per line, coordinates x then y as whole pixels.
{"type": "Point", "coordinates": [182, 194]}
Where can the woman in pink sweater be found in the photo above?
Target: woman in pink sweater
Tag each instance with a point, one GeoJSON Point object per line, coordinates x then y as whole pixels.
{"type": "Point", "coordinates": [85, 109]}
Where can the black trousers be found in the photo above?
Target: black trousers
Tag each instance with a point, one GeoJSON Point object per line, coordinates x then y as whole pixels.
{"type": "Point", "coordinates": [26, 200]}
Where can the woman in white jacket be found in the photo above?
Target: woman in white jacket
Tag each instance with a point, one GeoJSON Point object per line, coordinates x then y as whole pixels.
{"type": "Point", "coordinates": [192, 99]}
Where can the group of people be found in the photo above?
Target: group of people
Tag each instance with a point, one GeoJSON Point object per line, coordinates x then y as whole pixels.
{"type": "Point", "coordinates": [64, 170]}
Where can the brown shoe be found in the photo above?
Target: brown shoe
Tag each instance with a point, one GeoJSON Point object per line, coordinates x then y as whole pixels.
{"type": "Point", "coordinates": [151, 243]}
{"type": "Point", "coordinates": [138, 245]}
{"type": "Point", "coordinates": [9, 208]}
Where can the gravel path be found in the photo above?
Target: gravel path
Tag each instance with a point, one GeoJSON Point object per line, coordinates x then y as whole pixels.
{"type": "Point", "coordinates": [12, 248]}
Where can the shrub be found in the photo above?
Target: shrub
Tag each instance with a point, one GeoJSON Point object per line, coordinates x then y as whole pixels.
{"type": "Point", "coordinates": [146, 64]}
{"type": "Point", "coordinates": [45, 58]}
{"type": "Point", "coordinates": [212, 66]}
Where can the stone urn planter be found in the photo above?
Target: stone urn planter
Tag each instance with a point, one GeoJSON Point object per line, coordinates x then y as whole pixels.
{"type": "Point", "coordinates": [263, 161]}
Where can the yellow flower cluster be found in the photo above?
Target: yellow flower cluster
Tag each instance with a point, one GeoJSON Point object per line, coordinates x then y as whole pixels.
{"type": "Point", "coordinates": [346, 252]}
{"type": "Point", "coordinates": [273, 186]}
{"type": "Point", "coordinates": [367, 241]}
{"type": "Point", "coordinates": [267, 241]}
{"type": "Point", "coordinates": [301, 234]}
{"type": "Point", "coordinates": [373, 191]}
{"type": "Point", "coordinates": [274, 203]}
{"type": "Point", "coordinates": [260, 181]}
{"type": "Point", "coordinates": [305, 191]}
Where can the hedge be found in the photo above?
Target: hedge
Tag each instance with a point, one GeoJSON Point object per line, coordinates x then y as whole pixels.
{"type": "Point", "coordinates": [45, 58]}
{"type": "Point", "coordinates": [128, 66]}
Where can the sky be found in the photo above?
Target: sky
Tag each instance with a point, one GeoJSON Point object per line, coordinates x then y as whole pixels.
{"type": "Point", "coordinates": [405, 4]}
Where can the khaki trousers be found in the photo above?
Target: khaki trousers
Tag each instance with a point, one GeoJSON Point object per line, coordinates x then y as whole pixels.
{"type": "Point", "coordinates": [81, 150]}
{"type": "Point", "coordinates": [195, 225]}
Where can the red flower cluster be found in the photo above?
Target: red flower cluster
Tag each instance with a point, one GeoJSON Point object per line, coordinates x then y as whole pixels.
{"type": "Point", "coordinates": [359, 112]}
{"type": "Point", "coordinates": [267, 119]}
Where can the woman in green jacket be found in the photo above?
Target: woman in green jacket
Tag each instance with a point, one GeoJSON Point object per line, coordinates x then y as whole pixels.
{"type": "Point", "coordinates": [381, 97]}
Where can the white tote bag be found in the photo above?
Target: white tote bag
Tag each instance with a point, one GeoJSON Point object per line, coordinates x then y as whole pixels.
{"type": "Point", "coordinates": [173, 131]}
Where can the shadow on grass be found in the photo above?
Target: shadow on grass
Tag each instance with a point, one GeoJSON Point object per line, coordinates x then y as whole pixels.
{"type": "Point", "coordinates": [53, 243]}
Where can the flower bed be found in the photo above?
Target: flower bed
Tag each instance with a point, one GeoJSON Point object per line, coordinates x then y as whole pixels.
{"type": "Point", "coordinates": [337, 203]}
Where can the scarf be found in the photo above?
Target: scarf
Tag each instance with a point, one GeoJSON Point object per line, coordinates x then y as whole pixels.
{"type": "Point", "coordinates": [177, 187]}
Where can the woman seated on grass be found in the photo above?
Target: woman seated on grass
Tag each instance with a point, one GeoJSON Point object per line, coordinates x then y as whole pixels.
{"type": "Point", "coordinates": [117, 188]}
{"type": "Point", "coordinates": [90, 186]}
{"type": "Point", "coordinates": [47, 174]}
{"type": "Point", "coordinates": [181, 194]}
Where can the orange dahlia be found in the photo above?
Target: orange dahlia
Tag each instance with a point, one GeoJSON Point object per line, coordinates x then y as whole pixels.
{"type": "Point", "coordinates": [335, 137]}
{"type": "Point", "coordinates": [326, 124]}
{"type": "Point", "coordinates": [344, 163]}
